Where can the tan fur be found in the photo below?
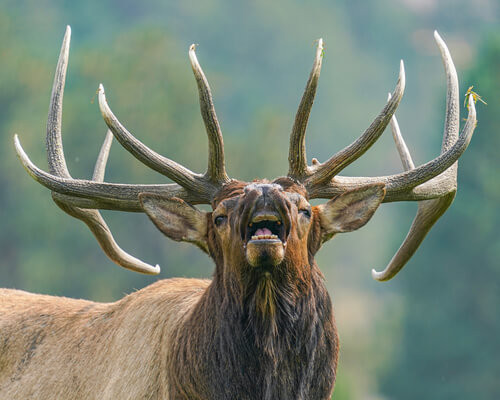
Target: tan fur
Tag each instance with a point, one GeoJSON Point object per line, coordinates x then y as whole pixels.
{"type": "Point", "coordinates": [60, 348]}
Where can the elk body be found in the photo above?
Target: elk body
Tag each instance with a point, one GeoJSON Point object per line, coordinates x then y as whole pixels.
{"type": "Point", "coordinates": [263, 327]}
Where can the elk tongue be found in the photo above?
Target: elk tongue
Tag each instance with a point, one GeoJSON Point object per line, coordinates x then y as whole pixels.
{"type": "Point", "coordinates": [262, 231]}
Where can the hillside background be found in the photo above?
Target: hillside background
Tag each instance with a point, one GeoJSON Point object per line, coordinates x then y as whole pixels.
{"type": "Point", "coordinates": [432, 332]}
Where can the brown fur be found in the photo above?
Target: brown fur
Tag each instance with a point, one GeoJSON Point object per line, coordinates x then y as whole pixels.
{"type": "Point", "coordinates": [253, 332]}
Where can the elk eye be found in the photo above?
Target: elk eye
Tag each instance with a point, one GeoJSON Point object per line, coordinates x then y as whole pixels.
{"type": "Point", "coordinates": [220, 219]}
{"type": "Point", "coordinates": [306, 212]}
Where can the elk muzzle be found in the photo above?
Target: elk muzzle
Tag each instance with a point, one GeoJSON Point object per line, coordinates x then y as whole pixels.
{"type": "Point", "coordinates": [268, 225]}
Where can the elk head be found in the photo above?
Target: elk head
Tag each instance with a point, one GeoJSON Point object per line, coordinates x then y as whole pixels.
{"type": "Point", "coordinates": [257, 228]}
{"type": "Point", "coordinates": [263, 229]}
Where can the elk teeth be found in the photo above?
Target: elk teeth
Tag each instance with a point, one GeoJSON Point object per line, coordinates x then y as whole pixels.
{"type": "Point", "coordinates": [263, 237]}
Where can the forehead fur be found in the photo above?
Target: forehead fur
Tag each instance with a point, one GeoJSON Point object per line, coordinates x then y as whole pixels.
{"type": "Point", "coordinates": [291, 186]}
{"type": "Point", "coordinates": [236, 188]}
{"type": "Point", "coordinates": [231, 189]}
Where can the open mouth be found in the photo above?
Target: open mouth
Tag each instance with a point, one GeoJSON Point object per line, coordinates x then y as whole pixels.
{"type": "Point", "coordinates": [265, 227]}
{"type": "Point", "coordinates": [265, 239]}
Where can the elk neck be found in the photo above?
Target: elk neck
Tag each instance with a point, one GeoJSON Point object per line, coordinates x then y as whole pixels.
{"type": "Point", "coordinates": [276, 327]}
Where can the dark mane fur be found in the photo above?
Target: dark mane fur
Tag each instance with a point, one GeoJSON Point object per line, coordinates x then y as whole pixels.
{"type": "Point", "coordinates": [271, 339]}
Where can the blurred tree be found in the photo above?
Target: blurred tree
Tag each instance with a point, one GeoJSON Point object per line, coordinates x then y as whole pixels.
{"type": "Point", "coordinates": [257, 56]}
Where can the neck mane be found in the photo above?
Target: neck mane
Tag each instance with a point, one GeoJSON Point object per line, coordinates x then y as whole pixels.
{"type": "Point", "coordinates": [270, 339]}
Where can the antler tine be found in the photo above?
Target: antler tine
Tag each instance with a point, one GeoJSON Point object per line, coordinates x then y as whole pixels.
{"type": "Point", "coordinates": [429, 211]}
{"type": "Point", "coordinates": [102, 158]}
{"type": "Point", "coordinates": [326, 171]}
{"type": "Point", "coordinates": [205, 185]}
{"type": "Point", "coordinates": [297, 159]}
{"type": "Point", "coordinates": [99, 228]}
{"type": "Point", "coordinates": [415, 235]}
{"type": "Point", "coordinates": [149, 157]}
{"type": "Point", "coordinates": [57, 166]}
{"type": "Point", "coordinates": [404, 153]}
{"type": "Point", "coordinates": [97, 225]}
{"type": "Point", "coordinates": [452, 113]}
{"type": "Point", "coordinates": [55, 153]}
{"type": "Point", "coordinates": [216, 171]}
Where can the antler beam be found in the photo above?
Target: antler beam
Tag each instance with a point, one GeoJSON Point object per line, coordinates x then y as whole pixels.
{"type": "Point", "coordinates": [429, 211]}
{"type": "Point", "coordinates": [57, 166]}
{"type": "Point", "coordinates": [433, 183]}
{"type": "Point", "coordinates": [81, 198]}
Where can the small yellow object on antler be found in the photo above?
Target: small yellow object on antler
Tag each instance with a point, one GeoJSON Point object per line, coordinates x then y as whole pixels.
{"type": "Point", "coordinates": [475, 96]}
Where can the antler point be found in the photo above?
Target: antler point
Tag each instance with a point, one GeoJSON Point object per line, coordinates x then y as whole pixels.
{"type": "Point", "coordinates": [378, 276]}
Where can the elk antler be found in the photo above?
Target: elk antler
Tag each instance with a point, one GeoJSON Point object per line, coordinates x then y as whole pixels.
{"type": "Point", "coordinates": [297, 154]}
{"type": "Point", "coordinates": [429, 211]}
{"type": "Point", "coordinates": [81, 198]}
{"type": "Point", "coordinates": [216, 173]}
{"type": "Point", "coordinates": [318, 174]}
{"type": "Point", "coordinates": [434, 183]}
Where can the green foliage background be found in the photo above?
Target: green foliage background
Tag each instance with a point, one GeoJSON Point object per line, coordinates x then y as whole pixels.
{"type": "Point", "coordinates": [433, 331]}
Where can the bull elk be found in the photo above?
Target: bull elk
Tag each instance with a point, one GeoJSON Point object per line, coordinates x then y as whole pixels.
{"type": "Point", "coordinates": [263, 327]}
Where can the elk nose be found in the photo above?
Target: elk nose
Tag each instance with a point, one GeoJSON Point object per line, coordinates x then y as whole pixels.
{"type": "Point", "coordinates": [264, 192]}
{"type": "Point", "coordinates": [267, 200]}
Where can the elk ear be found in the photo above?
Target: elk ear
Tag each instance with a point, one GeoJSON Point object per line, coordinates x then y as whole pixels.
{"type": "Point", "coordinates": [176, 218]}
{"type": "Point", "coordinates": [350, 210]}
